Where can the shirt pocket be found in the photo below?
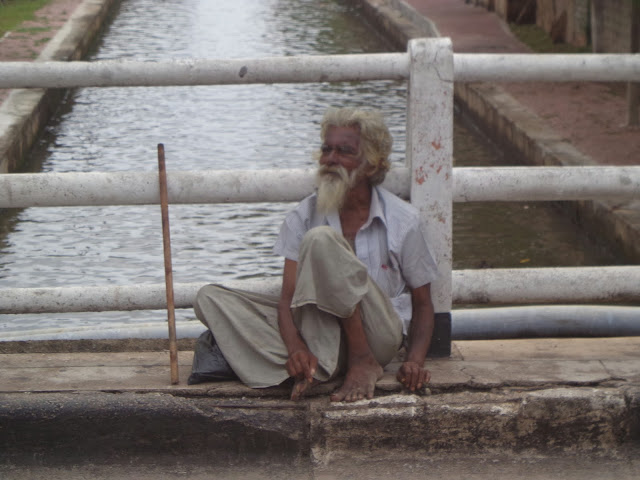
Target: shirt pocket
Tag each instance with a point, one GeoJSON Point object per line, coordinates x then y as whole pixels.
{"type": "Point", "coordinates": [391, 278]}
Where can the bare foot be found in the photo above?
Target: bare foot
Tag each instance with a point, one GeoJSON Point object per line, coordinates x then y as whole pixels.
{"type": "Point", "coordinates": [300, 387]}
{"type": "Point", "coordinates": [359, 382]}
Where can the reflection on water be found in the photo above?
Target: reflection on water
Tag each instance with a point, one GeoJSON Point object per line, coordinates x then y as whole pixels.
{"type": "Point", "coordinates": [226, 127]}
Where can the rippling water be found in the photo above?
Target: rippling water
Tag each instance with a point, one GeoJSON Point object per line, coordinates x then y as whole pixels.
{"type": "Point", "coordinates": [222, 127]}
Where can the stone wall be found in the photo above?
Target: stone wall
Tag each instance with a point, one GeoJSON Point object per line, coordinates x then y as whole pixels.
{"type": "Point", "coordinates": [489, 4]}
{"type": "Point", "coordinates": [607, 23]}
{"type": "Point", "coordinates": [521, 11]}
{"type": "Point", "coordinates": [611, 25]}
{"type": "Point", "coordinates": [568, 20]}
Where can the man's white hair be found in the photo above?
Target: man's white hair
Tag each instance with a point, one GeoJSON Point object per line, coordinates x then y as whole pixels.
{"type": "Point", "coordinates": [375, 138]}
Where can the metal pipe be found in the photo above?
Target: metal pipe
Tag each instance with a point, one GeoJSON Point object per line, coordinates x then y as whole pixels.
{"type": "Point", "coordinates": [524, 67]}
{"type": "Point", "coordinates": [131, 73]}
{"type": "Point", "coordinates": [547, 285]}
{"type": "Point", "coordinates": [185, 329]}
{"type": "Point", "coordinates": [484, 286]}
{"type": "Point", "coordinates": [321, 68]}
{"type": "Point", "coordinates": [290, 185]}
{"type": "Point", "coordinates": [140, 188]}
{"type": "Point", "coordinates": [469, 324]}
{"type": "Point", "coordinates": [545, 321]}
{"type": "Point", "coordinates": [113, 297]}
{"type": "Point", "coordinates": [507, 184]}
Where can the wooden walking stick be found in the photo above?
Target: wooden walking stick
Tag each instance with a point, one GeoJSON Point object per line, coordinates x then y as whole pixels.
{"type": "Point", "coordinates": [168, 271]}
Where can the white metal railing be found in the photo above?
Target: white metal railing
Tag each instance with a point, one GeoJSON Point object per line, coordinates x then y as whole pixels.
{"type": "Point", "coordinates": [467, 67]}
{"type": "Point", "coordinates": [483, 286]}
{"type": "Point", "coordinates": [470, 184]}
{"type": "Point", "coordinates": [428, 179]}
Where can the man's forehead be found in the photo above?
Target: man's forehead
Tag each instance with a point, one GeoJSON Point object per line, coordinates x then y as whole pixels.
{"type": "Point", "coordinates": [344, 134]}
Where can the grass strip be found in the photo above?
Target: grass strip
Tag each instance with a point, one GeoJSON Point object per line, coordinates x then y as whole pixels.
{"type": "Point", "coordinates": [14, 12]}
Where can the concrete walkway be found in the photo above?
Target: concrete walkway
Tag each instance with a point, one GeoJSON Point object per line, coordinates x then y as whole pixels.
{"type": "Point", "coordinates": [474, 365]}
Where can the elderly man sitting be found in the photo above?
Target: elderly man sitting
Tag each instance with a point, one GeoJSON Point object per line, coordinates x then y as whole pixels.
{"type": "Point", "coordinates": [356, 279]}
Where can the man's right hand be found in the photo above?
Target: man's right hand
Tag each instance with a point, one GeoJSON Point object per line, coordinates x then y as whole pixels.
{"type": "Point", "coordinates": [302, 365]}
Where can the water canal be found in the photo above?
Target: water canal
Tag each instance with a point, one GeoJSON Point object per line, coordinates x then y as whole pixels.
{"type": "Point", "coordinates": [228, 127]}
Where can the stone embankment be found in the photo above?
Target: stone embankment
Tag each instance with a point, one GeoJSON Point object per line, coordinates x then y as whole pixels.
{"type": "Point", "coordinates": [25, 112]}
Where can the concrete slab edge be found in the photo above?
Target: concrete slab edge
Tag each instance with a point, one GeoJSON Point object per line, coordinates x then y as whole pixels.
{"type": "Point", "coordinates": [26, 112]}
{"type": "Point", "coordinates": [520, 131]}
{"type": "Point", "coordinates": [105, 427]}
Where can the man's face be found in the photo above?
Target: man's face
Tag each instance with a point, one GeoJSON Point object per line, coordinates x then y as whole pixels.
{"type": "Point", "coordinates": [341, 148]}
{"type": "Point", "coordinates": [340, 167]}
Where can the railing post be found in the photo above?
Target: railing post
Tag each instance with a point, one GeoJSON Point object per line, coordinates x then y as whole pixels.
{"type": "Point", "coordinates": [429, 157]}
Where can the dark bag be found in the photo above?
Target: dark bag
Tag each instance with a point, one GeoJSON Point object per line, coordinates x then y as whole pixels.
{"type": "Point", "coordinates": [209, 365]}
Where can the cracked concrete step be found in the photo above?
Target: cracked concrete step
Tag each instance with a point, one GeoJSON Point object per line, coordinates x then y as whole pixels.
{"type": "Point", "coordinates": [105, 426]}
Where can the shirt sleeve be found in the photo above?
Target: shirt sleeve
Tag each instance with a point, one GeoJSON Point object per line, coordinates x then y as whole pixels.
{"type": "Point", "coordinates": [418, 266]}
{"type": "Point", "coordinates": [291, 232]}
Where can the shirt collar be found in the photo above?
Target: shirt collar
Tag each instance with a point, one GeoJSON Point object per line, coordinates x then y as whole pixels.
{"type": "Point", "coordinates": [375, 211]}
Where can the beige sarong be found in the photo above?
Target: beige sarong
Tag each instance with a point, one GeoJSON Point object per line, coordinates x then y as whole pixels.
{"type": "Point", "coordinates": [330, 283]}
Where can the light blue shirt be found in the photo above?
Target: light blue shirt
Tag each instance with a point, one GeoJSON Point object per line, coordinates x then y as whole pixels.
{"type": "Point", "coordinates": [391, 244]}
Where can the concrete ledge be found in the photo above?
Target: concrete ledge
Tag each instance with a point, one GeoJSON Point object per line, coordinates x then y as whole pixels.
{"type": "Point", "coordinates": [104, 427]}
{"type": "Point", "coordinates": [536, 396]}
{"type": "Point", "coordinates": [24, 113]}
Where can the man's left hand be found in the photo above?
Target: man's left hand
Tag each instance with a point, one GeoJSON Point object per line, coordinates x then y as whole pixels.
{"type": "Point", "coordinates": [413, 376]}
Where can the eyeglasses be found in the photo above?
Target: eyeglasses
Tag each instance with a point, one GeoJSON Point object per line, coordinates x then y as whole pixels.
{"type": "Point", "coordinates": [342, 150]}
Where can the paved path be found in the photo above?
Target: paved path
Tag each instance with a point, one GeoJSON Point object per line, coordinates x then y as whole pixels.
{"type": "Point", "coordinates": [474, 365]}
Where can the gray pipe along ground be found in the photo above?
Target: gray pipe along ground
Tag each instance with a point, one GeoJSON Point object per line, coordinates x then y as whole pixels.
{"type": "Point", "coordinates": [545, 321]}
{"type": "Point", "coordinates": [472, 324]}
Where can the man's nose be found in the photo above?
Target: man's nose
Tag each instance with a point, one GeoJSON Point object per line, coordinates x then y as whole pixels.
{"type": "Point", "coordinates": [330, 158]}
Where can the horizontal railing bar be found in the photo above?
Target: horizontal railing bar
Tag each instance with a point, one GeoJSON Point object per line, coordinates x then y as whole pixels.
{"type": "Point", "coordinates": [485, 286]}
{"type": "Point", "coordinates": [506, 184]}
{"type": "Point", "coordinates": [184, 72]}
{"type": "Point", "coordinates": [113, 297]}
{"type": "Point", "coordinates": [619, 284]}
{"type": "Point", "coordinates": [141, 188]}
{"type": "Point", "coordinates": [468, 67]}
{"type": "Point", "coordinates": [289, 185]}
{"type": "Point", "coordinates": [466, 324]}
{"type": "Point", "coordinates": [526, 67]}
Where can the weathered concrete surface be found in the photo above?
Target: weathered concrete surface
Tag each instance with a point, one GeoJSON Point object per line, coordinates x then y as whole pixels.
{"type": "Point", "coordinates": [541, 396]}
{"type": "Point", "coordinates": [25, 112]}
{"type": "Point", "coordinates": [622, 466]}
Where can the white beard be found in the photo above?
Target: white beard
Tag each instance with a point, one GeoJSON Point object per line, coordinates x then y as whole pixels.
{"type": "Point", "coordinates": [333, 185]}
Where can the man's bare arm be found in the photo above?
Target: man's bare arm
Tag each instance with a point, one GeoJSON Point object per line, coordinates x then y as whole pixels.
{"type": "Point", "coordinates": [301, 363]}
{"type": "Point", "coordinates": [412, 373]}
